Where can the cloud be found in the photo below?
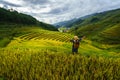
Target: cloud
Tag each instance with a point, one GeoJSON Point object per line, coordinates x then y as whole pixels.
{"type": "Point", "coordinates": [52, 11]}
{"type": "Point", "coordinates": [37, 2]}
{"type": "Point", "coordinates": [58, 11]}
{"type": "Point", "coordinates": [9, 4]}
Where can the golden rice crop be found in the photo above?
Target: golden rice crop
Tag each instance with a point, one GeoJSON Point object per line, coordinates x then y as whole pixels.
{"type": "Point", "coordinates": [45, 66]}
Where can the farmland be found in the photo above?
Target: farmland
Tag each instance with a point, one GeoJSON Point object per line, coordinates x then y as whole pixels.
{"type": "Point", "coordinates": [37, 54]}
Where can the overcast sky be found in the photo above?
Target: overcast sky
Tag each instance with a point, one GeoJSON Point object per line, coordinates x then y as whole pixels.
{"type": "Point", "coordinates": [52, 11]}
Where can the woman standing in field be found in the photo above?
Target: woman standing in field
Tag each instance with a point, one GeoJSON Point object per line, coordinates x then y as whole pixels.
{"type": "Point", "coordinates": [76, 43]}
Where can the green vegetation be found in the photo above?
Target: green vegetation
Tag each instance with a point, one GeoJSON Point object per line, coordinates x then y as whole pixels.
{"type": "Point", "coordinates": [55, 66]}
{"type": "Point", "coordinates": [12, 17]}
{"type": "Point", "coordinates": [34, 53]}
{"type": "Point", "coordinates": [103, 28]}
{"type": "Point", "coordinates": [15, 17]}
{"type": "Point", "coordinates": [29, 52]}
{"type": "Point", "coordinates": [4, 42]}
{"type": "Point", "coordinates": [13, 22]}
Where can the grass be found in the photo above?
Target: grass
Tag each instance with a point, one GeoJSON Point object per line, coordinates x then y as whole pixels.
{"type": "Point", "coordinates": [111, 35]}
{"type": "Point", "coordinates": [101, 27]}
{"type": "Point", "coordinates": [87, 47]}
{"type": "Point", "coordinates": [41, 55]}
{"type": "Point", "coordinates": [4, 42]}
{"type": "Point", "coordinates": [36, 39]}
{"type": "Point", "coordinates": [28, 65]}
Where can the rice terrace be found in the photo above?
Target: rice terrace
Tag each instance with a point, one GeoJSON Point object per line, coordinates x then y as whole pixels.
{"type": "Point", "coordinates": [34, 50]}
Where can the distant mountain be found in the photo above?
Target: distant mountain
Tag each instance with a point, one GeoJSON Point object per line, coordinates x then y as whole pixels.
{"type": "Point", "coordinates": [13, 17]}
{"type": "Point", "coordinates": [67, 23]}
{"type": "Point", "coordinates": [72, 22]}
{"type": "Point", "coordinates": [101, 27]}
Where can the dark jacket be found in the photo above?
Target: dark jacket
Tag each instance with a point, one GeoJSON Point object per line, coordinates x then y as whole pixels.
{"type": "Point", "coordinates": [76, 42]}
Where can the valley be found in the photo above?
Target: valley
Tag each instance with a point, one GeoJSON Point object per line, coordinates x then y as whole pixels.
{"type": "Point", "coordinates": [40, 52]}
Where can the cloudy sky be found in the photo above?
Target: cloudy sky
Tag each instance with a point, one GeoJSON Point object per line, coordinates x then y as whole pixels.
{"type": "Point", "coordinates": [52, 11]}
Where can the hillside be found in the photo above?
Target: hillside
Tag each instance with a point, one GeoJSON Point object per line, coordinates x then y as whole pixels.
{"type": "Point", "coordinates": [72, 22]}
{"type": "Point", "coordinates": [11, 23]}
{"type": "Point", "coordinates": [34, 53]}
{"type": "Point", "coordinates": [65, 23]}
{"type": "Point", "coordinates": [101, 27]}
{"type": "Point", "coordinates": [14, 17]}
{"type": "Point", "coordinates": [30, 52]}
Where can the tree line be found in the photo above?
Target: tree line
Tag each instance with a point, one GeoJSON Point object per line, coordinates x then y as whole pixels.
{"type": "Point", "coordinates": [12, 16]}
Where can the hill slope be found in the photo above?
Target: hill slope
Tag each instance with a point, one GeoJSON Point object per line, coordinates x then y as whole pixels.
{"type": "Point", "coordinates": [12, 22]}
{"type": "Point", "coordinates": [102, 27]}
{"type": "Point", "coordinates": [39, 54]}
{"type": "Point", "coordinates": [14, 17]}
{"type": "Point", "coordinates": [31, 53]}
{"type": "Point", "coordinates": [65, 23]}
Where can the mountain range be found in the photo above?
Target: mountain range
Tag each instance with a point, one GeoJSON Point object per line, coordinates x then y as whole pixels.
{"type": "Point", "coordinates": [103, 27]}
{"type": "Point", "coordinates": [10, 16]}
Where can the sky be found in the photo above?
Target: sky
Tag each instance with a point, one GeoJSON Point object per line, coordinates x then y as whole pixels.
{"type": "Point", "coordinates": [53, 11]}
